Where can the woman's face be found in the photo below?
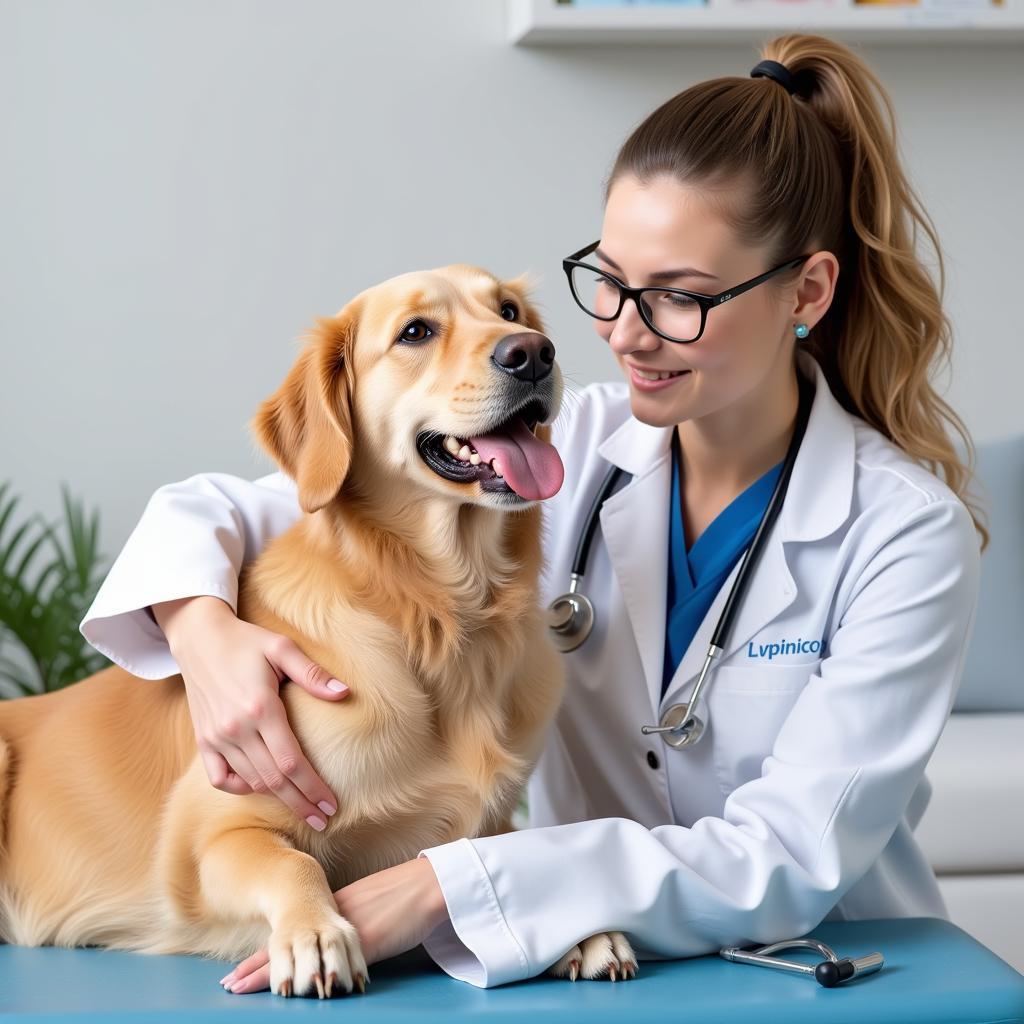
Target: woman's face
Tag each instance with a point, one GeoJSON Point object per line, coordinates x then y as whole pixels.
{"type": "Point", "coordinates": [746, 351]}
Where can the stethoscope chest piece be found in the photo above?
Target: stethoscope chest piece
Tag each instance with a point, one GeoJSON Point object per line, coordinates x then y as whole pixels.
{"type": "Point", "coordinates": [570, 618]}
{"type": "Point", "coordinates": [674, 717]}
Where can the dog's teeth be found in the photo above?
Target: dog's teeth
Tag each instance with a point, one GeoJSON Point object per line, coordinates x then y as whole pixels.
{"type": "Point", "coordinates": [464, 452]}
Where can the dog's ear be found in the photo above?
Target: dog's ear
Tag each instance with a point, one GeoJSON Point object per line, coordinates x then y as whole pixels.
{"type": "Point", "coordinates": [306, 425]}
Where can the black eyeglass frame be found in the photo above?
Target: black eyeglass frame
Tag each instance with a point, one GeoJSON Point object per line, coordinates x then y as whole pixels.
{"type": "Point", "coordinates": [625, 292]}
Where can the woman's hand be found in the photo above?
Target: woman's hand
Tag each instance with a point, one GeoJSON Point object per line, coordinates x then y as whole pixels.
{"type": "Point", "coordinates": [232, 671]}
{"type": "Point", "coordinates": [393, 911]}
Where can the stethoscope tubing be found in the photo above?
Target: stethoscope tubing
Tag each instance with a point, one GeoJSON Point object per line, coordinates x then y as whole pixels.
{"type": "Point", "coordinates": [775, 503]}
{"type": "Point", "coordinates": [571, 616]}
{"type": "Point", "coordinates": [681, 725]}
{"type": "Point", "coordinates": [579, 562]}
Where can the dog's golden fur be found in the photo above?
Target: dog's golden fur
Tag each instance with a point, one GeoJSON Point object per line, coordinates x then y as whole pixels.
{"type": "Point", "coordinates": [419, 592]}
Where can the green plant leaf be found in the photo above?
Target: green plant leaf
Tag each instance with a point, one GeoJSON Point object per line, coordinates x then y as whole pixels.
{"type": "Point", "coordinates": [46, 592]}
{"type": "Point", "coordinates": [7, 551]}
{"type": "Point", "coordinates": [27, 556]}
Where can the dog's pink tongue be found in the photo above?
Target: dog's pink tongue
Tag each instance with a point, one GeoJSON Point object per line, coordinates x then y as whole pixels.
{"type": "Point", "coordinates": [530, 466]}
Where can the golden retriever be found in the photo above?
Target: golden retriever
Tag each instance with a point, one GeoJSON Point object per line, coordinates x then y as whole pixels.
{"type": "Point", "coordinates": [415, 424]}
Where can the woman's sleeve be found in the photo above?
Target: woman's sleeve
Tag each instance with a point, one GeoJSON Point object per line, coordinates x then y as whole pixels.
{"type": "Point", "coordinates": [790, 843]}
{"type": "Point", "coordinates": [193, 538]}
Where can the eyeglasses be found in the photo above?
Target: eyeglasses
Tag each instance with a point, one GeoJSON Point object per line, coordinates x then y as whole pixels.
{"type": "Point", "coordinates": [672, 313]}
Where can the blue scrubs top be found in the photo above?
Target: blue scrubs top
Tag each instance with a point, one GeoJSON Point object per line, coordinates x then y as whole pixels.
{"type": "Point", "coordinates": [696, 576]}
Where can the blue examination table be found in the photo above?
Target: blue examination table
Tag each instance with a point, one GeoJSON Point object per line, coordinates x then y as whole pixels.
{"type": "Point", "coordinates": [934, 972]}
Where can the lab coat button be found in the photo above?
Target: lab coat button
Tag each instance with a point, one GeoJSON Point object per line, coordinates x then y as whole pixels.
{"type": "Point", "coordinates": [652, 759]}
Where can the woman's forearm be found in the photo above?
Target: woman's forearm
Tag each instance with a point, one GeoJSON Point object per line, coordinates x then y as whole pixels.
{"type": "Point", "coordinates": [176, 617]}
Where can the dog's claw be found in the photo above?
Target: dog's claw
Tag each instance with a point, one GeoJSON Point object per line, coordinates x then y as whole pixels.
{"type": "Point", "coordinates": [297, 965]}
{"type": "Point", "coordinates": [603, 955]}
{"type": "Point", "coordinates": [361, 984]}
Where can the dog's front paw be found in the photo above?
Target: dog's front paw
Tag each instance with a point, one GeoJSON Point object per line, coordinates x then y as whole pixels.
{"type": "Point", "coordinates": [605, 955]}
{"type": "Point", "coordinates": [308, 958]}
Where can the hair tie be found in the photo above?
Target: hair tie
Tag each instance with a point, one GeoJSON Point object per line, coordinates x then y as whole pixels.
{"type": "Point", "coordinates": [773, 69]}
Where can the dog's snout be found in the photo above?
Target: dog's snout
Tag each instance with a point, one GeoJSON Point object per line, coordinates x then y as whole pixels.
{"type": "Point", "coordinates": [526, 356]}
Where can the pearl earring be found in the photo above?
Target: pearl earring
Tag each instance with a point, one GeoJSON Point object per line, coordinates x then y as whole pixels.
{"type": "Point", "coordinates": [801, 330]}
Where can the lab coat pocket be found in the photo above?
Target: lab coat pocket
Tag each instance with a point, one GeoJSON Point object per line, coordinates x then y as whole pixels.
{"type": "Point", "coordinates": [747, 707]}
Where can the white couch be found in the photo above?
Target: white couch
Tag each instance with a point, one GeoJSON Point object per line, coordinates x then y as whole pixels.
{"type": "Point", "coordinates": [973, 828]}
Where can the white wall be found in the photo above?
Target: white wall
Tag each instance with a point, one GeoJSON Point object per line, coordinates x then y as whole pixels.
{"type": "Point", "coordinates": [185, 184]}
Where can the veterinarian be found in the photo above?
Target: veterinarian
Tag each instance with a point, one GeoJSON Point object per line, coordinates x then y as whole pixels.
{"type": "Point", "coordinates": [800, 802]}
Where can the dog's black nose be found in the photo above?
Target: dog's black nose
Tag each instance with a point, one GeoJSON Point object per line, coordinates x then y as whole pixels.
{"type": "Point", "coordinates": [527, 356]}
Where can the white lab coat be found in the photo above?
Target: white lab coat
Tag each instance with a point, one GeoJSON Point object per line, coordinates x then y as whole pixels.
{"type": "Point", "coordinates": [799, 803]}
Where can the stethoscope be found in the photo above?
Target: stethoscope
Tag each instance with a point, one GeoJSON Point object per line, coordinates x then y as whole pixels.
{"type": "Point", "coordinates": [830, 972]}
{"type": "Point", "coordinates": [571, 619]}
{"type": "Point", "coordinates": [571, 616]}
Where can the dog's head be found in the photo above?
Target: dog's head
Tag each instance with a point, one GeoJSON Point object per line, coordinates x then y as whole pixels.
{"type": "Point", "coordinates": [441, 379]}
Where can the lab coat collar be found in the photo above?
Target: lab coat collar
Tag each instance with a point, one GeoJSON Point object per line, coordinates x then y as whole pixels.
{"type": "Point", "coordinates": [634, 524]}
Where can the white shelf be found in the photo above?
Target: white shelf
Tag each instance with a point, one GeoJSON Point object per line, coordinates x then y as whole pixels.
{"type": "Point", "coordinates": [546, 23]}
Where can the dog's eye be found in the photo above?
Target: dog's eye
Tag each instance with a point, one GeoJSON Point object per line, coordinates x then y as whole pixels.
{"type": "Point", "coordinates": [511, 306]}
{"type": "Point", "coordinates": [415, 332]}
